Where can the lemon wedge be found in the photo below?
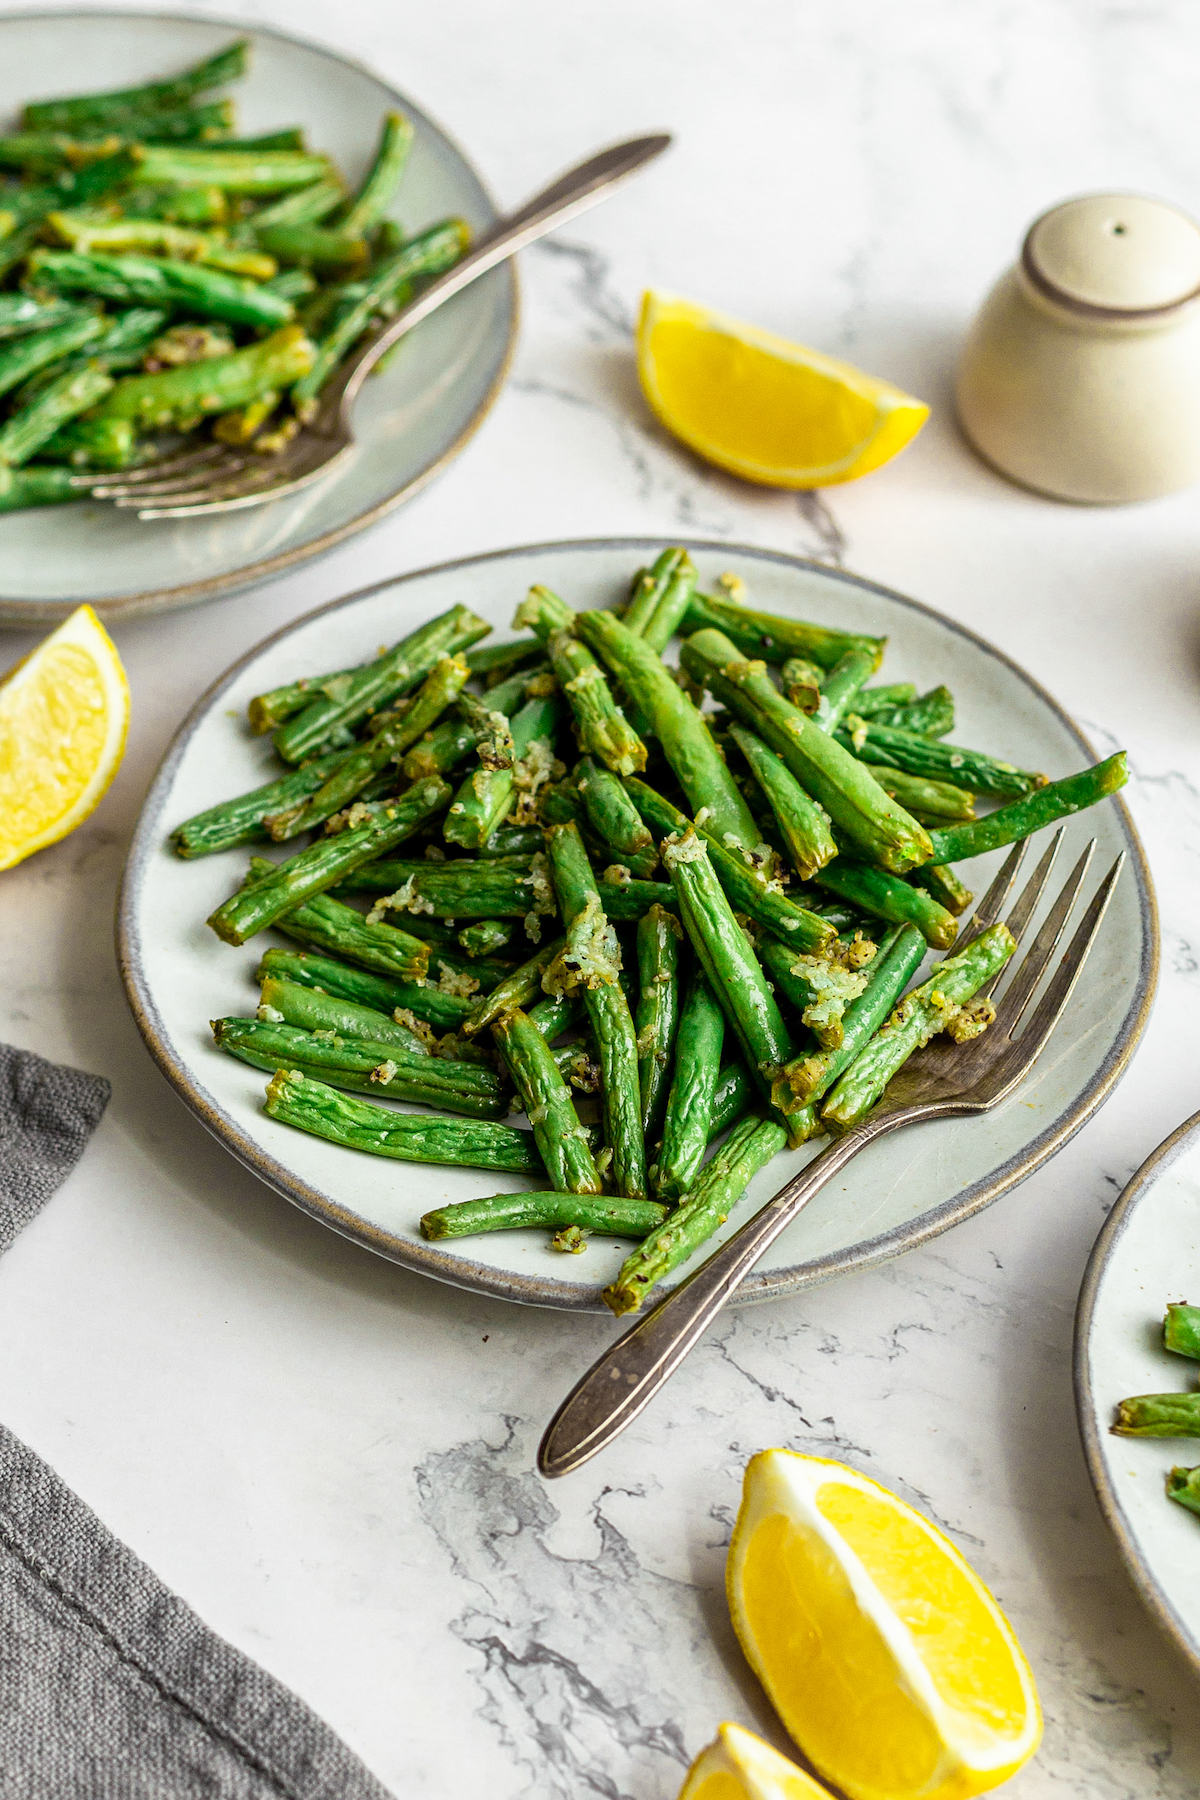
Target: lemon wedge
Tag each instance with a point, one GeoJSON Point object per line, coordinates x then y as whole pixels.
{"type": "Point", "coordinates": [883, 1653]}
{"type": "Point", "coordinates": [64, 713]}
{"type": "Point", "coordinates": [739, 1766]}
{"type": "Point", "coordinates": [766, 409]}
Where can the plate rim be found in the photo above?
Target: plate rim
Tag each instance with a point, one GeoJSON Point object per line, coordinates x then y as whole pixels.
{"type": "Point", "coordinates": [545, 1290]}
{"type": "Point", "coordinates": [18, 612]}
{"type": "Point", "coordinates": [1153, 1595]}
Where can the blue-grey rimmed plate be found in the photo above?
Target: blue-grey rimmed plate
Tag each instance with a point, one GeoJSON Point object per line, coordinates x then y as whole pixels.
{"type": "Point", "coordinates": [1147, 1255]}
{"type": "Point", "coordinates": [409, 422]}
{"type": "Point", "coordinates": [900, 1193]}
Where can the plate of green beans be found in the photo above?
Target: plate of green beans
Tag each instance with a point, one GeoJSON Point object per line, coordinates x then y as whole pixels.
{"type": "Point", "coordinates": [197, 225]}
{"type": "Point", "coordinates": [618, 881]}
{"type": "Point", "coordinates": [1137, 1380]}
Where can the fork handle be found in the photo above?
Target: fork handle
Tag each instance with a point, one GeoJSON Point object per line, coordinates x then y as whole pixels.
{"type": "Point", "coordinates": [627, 1377]}
{"type": "Point", "coordinates": [572, 194]}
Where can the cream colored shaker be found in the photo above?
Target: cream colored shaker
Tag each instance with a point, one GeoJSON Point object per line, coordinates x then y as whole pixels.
{"type": "Point", "coordinates": [1081, 374]}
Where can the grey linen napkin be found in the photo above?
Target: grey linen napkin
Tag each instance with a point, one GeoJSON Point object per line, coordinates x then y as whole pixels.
{"type": "Point", "coordinates": [110, 1687]}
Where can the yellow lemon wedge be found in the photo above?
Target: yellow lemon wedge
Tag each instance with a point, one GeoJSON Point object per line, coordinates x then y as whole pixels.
{"type": "Point", "coordinates": [739, 1766]}
{"type": "Point", "coordinates": [64, 713]}
{"type": "Point", "coordinates": [766, 409]}
{"type": "Point", "coordinates": [883, 1653]}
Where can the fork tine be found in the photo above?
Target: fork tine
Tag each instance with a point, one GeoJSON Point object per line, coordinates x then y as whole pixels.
{"type": "Point", "coordinates": [155, 471]}
{"type": "Point", "coordinates": [276, 484]}
{"type": "Point", "coordinates": [1033, 965]}
{"type": "Point", "coordinates": [218, 469]}
{"type": "Point", "coordinates": [1050, 1006]}
{"type": "Point", "coordinates": [1018, 919]}
{"type": "Point", "coordinates": [989, 908]}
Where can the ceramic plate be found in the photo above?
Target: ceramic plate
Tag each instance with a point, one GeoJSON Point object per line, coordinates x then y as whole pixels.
{"type": "Point", "coordinates": [1147, 1255]}
{"type": "Point", "coordinates": [899, 1193]}
{"type": "Point", "coordinates": [408, 422]}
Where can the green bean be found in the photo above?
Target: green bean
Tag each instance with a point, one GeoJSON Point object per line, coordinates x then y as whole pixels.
{"type": "Point", "coordinates": [236, 171]}
{"type": "Point", "coordinates": [1158, 1415]}
{"type": "Point", "coordinates": [649, 587]}
{"type": "Point", "coordinates": [936, 760]}
{"type": "Point", "coordinates": [930, 716]}
{"type": "Point", "coordinates": [35, 486]}
{"type": "Point", "coordinates": [842, 684]}
{"type": "Point", "coordinates": [303, 206]}
{"type": "Point", "coordinates": [802, 683]}
{"type": "Point", "coordinates": [672, 607]}
{"type": "Point", "coordinates": [811, 1074]}
{"type": "Point", "coordinates": [93, 444]}
{"type": "Point", "coordinates": [591, 958]}
{"type": "Point", "coordinates": [750, 1146]}
{"type": "Point", "coordinates": [600, 724]}
{"type": "Point", "coordinates": [882, 895]}
{"type": "Point", "coordinates": [875, 699]}
{"type": "Point", "coordinates": [1183, 1485]}
{"type": "Point", "coordinates": [382, 993]}
{"type": "Point", "coordinates": [466, 975]}
{"type": "Point", "coordinates": [518, 990]}
{"type": "Point", "coordinates": [364, 690]}
{"type": "Point", "coordinates": [353, 771]}
{"type": "Point", "coordinates": [561, 1140]}
{"type": "Point", "coordinates": [364, 1066]}
{"type": "Point", "coordinates": [182, 206]}
{"type": "Point", "coordinates": [83, 233]}
{"type": "Point", "coordinates": [429, 253]}
{"type": "Point", "coordinates": [749, 890]}
{"type": "Point", "coordinates": [41, 151]}
{"type": "Point", "coordinates": [266, 711]}
{"type": "Point", "coordinates": [241, 820]}
{"type": "Point", "coordinates": [610, 1217]}
{"type": "Point", "coordinates": [773, 638]}
{"type": "Point", "coordinates": [289, 137]}
{"type": "Point", "coordinates": [310, 247]}
{"type": "Point", "coordinates": [1023, 817]}
{"type": "Point", "coordinates": [23, 313]}
{"type": "Point", "coordinates": [496, 662]}
{"type": "Point", "coordinates": [804, 826]}
{"type": "Point", "coordinates": [940, 1004]}
{"type": "Point", "coordinates": [452, 890]}
{"type": "Point", "coordinates": [24, 432]}
{"type": "Point", "coordinates": [161, 281]}
{"type": "Point", "coordinates": [283, 1001]}
{"type": "Point", "coordinates": [28, 205]}
{"type": "Point", "coordinates": [20, 360]}
{"type": "Point", "coordinates": [328, 925]}
{"type": "Point", "coordinates": [819, 988]}
{"type": "Point", "coordinates": [311, 1106]}
{"type": "Point", "coordinates": [686, 740]}
{"type": "Point", "coordinates": [383, 177]}
{"type": "Point", "coordinates": [509, 841]}
{"type": "Point", "coordinates": [184, 395]}
{"type": "Point", "coordinates": [110, 109]}
{"type": "Point", "coordinates": [691, 1098]}
{"type": "Point", "coordinates": [658, 939]}
{"type": "Point", "coordinates": [925, 799]}
{"type": "Point", "coordinates": [556, 1013]}
{"type": "Point", "coordinates": [734, 1095]}
{"type": "Point", "coordinates": [322, 864]}
{"type": "Point", "coordinates": [733, 970]}
{"type": "Point", "coordinates": [1181, 1330]}
{"type": "Point", "coordinates": [448, 743]}
{"type": "Point", "coordinates": [940, 880]}
{"type": "Point", "coordinates": [488, 935]}
{"type": "Point", "coordinates": [615, 819]}
{"type": "Point", "coordinates": [855, 802]}
{"type": "Point", "coordinates": [486, 797]}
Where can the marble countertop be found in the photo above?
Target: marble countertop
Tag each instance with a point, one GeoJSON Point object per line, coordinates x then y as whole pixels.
{"type": "Point", "coordinates": [331, 1459]}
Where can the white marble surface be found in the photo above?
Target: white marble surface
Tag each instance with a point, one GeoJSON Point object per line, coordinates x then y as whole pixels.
{"type": "Point", "coordinates": [331, 1459]}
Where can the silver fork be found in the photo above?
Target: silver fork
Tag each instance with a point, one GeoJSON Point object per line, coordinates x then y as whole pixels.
{"type": "Point", "coordinates": [217, 478]}
{"type": "Point", "coordinates": [942, 1081]}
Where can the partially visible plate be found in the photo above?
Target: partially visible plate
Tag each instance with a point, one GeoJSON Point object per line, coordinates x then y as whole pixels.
{"type": "Point", "coordinates": [408, 422]}
{"type": "Point", "coordinates": [1147, 1255]}
{"type": "Point", "coordinates": [901, 1192]}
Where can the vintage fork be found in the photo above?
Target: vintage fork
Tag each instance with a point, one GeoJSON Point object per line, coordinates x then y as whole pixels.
{"type": "Point", "coordinates": [217, 478]}
{"type": "Point", "coordinates": [942, 1081]}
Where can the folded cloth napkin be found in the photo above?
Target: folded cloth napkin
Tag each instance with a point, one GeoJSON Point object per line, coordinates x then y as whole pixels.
{"type": "Point", "coordinates": [110, 1687]}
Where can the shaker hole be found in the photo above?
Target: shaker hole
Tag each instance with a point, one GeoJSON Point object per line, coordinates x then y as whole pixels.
{"type": "Point", "coordinates": [1116, 228]}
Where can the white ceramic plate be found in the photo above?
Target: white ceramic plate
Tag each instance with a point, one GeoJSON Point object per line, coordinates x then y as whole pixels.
{"type": "Point", "coordinates": [408, 422]}
{"type": "Point", "coordinates": [1147, 1255]}
{"type": "Point", "coordinates": [899, 1193]}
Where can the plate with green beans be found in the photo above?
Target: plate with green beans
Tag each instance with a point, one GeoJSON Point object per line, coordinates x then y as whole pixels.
{"type": "Point", "coordinates": [535, 948]}
{"type": "Point", "coordinates": [1137, 1380]}
{"type": "Point", "coordinates": [197, 223]}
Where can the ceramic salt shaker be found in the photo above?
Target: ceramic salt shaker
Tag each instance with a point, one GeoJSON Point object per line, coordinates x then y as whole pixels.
{"type": "Point", "coordinates": [1081, 374]}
